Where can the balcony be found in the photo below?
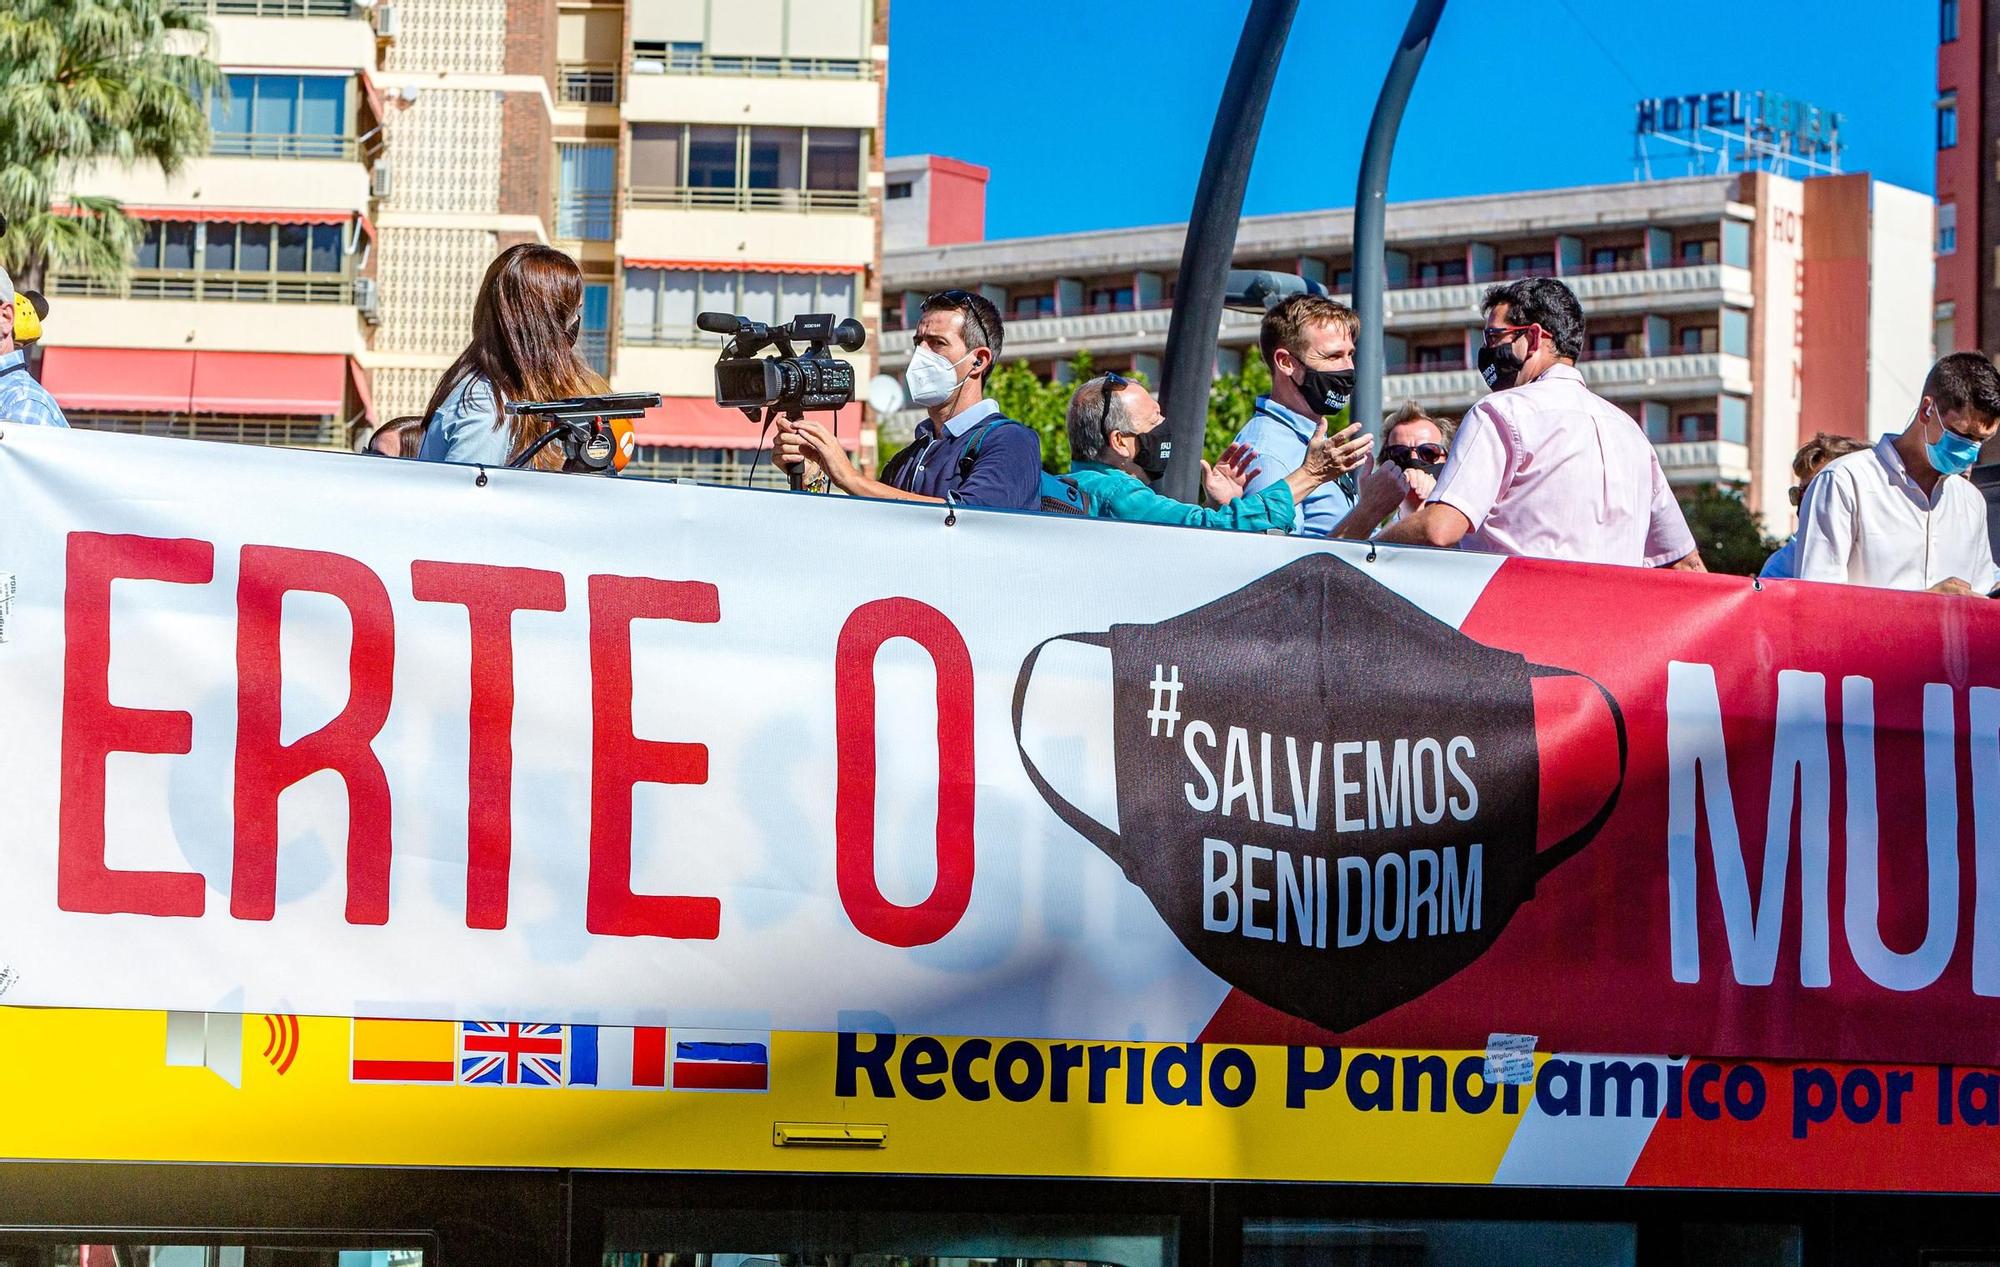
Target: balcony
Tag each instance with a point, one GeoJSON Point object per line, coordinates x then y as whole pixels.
{"type": "Point", "coordinates": [824, 100]}
{"type": "Point", "coordinates": [587, 84]}
{"type": "Point", "coordinates": [1411, 309]}
{"type": "Point", "coordinates": [681, 61]}
{"type": "Point", "coordinates": [585, 216]}
{"type": "Point", "coordinates": [270, 8]}
{"type": "Point", "coordinates": [211, 287]}
{"type": "Point", "coordinates": [1704, 462]}
{"type": "Point", "coordinates": [281, 145]}
{"type": "Point", "coordinates": [690, 198]}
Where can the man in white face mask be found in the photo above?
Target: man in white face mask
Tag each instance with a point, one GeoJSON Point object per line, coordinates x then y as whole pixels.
{"type": "Point", "coordinates": [966, 449]}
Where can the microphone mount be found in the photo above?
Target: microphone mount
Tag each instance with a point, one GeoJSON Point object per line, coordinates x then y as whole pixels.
{"type": "Point", "coordinates": [581, 425]}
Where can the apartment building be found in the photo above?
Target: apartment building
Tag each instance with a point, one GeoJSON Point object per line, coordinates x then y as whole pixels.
{"type": "Point", "coordinates": [748, 179]}
{"type": "Point", "coordinates": [316, 272]}
{"type": "Point", "coordinates": [1733, 316]}
{"type": "Point", "coordinates": [250, 303]}
{"type": "Point", "coordinates": [1967, 246]}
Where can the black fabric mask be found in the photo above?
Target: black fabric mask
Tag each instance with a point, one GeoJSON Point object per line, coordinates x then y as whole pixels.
{"type": "Point", "coordinates": [1154, 450]}
{"type": "Point", "coordinates": [1227, 721]}
{"type": "Point", "coordinates": [1501, 366]}
{"type": "Point", "coordinates": [1326, 391]}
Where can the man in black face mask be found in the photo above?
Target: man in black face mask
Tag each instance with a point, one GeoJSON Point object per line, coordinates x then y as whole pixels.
{"type": "Point", "coordinates": [1308, 343]}
{"type": "Point", "coordinates": [1118, 450]}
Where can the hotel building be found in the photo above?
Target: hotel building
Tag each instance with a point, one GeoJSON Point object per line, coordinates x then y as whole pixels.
{"type": "Point", "coordinates": [1733, 316]}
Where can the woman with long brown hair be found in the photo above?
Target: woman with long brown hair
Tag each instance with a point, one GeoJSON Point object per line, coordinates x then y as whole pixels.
{"type": "Point", "coordinates": [524, 330]}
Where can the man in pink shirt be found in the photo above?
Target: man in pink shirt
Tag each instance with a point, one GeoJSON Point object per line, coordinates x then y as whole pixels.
{"type": "Point", "coordinates": [1546, 468]}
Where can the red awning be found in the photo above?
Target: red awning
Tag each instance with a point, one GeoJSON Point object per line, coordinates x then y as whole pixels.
{"type": "Point", "coordinates": [361, 392]}
{"type": "Point", "coordinates": [747, 266]}
{"type": "Point", "coordinates": [246, 215]}
{"type": "Point", "coordinates": [697, 422]}
{"type": "Point", "coordinates": [153, 380]}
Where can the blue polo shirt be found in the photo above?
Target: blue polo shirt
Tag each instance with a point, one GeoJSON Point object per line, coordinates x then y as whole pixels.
{"type": "Point", "coordinates": [1006, 469]}
{"type": "Point", "coordinates": [1279, 437]}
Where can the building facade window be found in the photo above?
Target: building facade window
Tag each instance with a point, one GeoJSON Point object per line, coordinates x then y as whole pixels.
{"type": "Point", "coordinates": [228, 260]}
{"type": "Point", "coordinates": [1032, 307]}
{"type": "Point", "coordinates": [1947, 121]}
{"type": "Point", "coordinates": [748, 168]}
{"type": "Point", "coordinates": [1528, 264]}
{"type": "Point", "coordinates": [1441, 272]}
{"type": "Point", "coordinates": [1733, 420]}
{"type": "Point", "coordinates": [1736, 244]}
{"type": "Point", "coordinates": [1947, 228]}
{"type": "Point", "coordinates": [280, 116]}
{"type": "Point", "coordinates": [1111, 299]}
{"type": "Point", "coordinates": [1947, 21]}
{"type": "Point", "coordinates": [1735, 332]}
{"type": "Point", "coordinates": [899, 189]}
{"type": "Point", "coordinates": [661, 303]}
{"type": "Point", "coordinates": [593, 340]}
{"type": "Point", "coordinates": [586, 182]}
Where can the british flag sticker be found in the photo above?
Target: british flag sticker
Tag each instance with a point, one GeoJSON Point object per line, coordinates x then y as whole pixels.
{"type": "Point", "coordinates": [512, 1054]}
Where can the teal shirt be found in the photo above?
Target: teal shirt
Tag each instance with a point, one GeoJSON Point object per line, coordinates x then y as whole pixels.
{"type": "Point", "coordinates": [1116, 494]}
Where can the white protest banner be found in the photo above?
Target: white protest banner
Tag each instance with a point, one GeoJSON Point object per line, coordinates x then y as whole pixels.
{"type": "Point", "coordinates": [318, 733]}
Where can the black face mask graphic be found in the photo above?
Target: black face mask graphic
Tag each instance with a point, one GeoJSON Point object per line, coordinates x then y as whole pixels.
{"type": "Point", "coordinates": [1332, 851]}
{"type": "Point", "coordinates": [1327, 391]}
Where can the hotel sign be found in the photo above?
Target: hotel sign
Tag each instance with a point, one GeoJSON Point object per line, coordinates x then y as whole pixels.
{"type": "Point", "coordinates": [1798, 127]}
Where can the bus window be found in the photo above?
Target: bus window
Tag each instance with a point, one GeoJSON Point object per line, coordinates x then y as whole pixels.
{"type": "Point", "coordinates": [53, 1250]}
{"type": "Point", "coordinates": [1436, 1243]}
{"type": "Point", "coordinates": [863, 1238]}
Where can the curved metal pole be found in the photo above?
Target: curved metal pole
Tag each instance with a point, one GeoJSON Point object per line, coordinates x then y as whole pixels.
{"type": "Point", "coordinates": [1189, 366]}
{"type": "Point", "coordinates": [1370, 199]}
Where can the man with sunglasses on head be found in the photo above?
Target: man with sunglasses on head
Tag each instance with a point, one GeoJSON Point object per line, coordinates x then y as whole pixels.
{"type": "Point", "coordinates": [966, 451]}
{"type": "Point", "coordinates": [1118, 450]}
{"type": "Point", "coordinates": [1546, 468]}
{"type": "Point", "coordinates": [1894, 517]}
{"type": "Point", "coordinates": [1308, 344]}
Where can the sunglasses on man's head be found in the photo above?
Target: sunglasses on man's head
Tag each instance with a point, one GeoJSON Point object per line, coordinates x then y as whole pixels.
{"type": "Point", "coordinates": [1113, 384]}
{"type": "Point", "coordinates": [1405, 454]}
{"type": "Point", "coordinates": [961, 299]}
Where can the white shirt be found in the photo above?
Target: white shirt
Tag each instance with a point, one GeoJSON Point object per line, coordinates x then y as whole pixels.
{"type": "Point", "coordinates": [1866, 522]}
{"type": "Point", "coordinates": [1550, 470]}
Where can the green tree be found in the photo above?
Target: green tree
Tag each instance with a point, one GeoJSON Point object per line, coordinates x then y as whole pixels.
{"type": "Point", "coordinates": [1724, 530]}
{"type": "Point", "coordinates": [1044, 405]}
{"type": "Point", "coordinates": [82, 81]}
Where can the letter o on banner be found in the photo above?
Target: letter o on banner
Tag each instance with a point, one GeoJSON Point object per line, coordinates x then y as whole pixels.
{"type": "Point", "coordinates": [871, 625]}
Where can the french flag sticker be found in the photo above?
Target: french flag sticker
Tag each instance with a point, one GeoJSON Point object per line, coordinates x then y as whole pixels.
{"type": "Point", "coordinates": [614, 1059]}
{"type": "Point", "coordinates": [721, 1060]}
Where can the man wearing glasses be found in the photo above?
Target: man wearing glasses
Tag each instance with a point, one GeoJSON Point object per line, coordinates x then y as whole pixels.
{"type": "Point", "coordinates": [1308, 343]}
{"type": "Point", "coordinates": [1546, 468]}
{"type": "Point", "coordinates": [1118, 449]}
{"type": "Point", "coordinates": [966, 451]}
{"type": "Point", "coordinates": [1414, 448]}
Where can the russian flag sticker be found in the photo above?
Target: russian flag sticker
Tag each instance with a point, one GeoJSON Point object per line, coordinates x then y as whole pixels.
{"type": "Point", "coordinates": [721, 1059]}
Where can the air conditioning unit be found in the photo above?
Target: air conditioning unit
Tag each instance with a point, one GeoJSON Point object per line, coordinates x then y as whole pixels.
{"type": "Point", "coordinates": [368, 298]}
{"type": "Point", "coordinates": [385, 23]}
{"type": "Point", "coordinates": [379, 179]}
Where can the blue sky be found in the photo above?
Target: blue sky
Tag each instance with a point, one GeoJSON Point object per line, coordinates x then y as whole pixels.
{"type": "Point", "coordinates": [1096, 113]}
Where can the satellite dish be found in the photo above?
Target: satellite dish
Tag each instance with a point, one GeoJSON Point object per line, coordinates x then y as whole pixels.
{"type": "Point", "coordinates": [886, 395]}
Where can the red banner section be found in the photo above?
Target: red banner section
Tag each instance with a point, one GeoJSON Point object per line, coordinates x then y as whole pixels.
{"type": "Point", "coordinates": [1804, 859]}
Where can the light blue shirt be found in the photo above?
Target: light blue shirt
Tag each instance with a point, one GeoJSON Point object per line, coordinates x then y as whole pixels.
{"type": "Point", "coordinates": [24, 400]}
{"type": "Point", "coordinates": [468, 427]}
{"type": "Point", "coordinates": [1279, 437]}
{"type": "Point", "coordinates": [1783, 565]}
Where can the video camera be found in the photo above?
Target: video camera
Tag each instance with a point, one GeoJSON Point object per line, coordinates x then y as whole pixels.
{"type": "Point", "coordinates": [595, 432]}
{"type": "Point", "coordinates": [790, 382]}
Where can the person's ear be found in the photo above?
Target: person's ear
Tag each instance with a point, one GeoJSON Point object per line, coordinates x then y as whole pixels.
{"type": "Point", "coordinates": [1282, 363]}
